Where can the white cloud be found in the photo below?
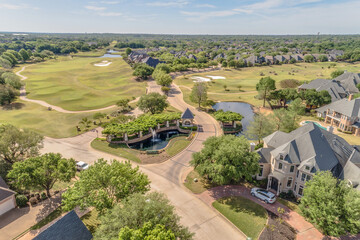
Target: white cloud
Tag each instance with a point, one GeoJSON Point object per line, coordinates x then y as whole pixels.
{"type": "Point", "coordinates": [16, 7]}
{"type": "Point", "coordinates": [175, 3]}
{"type": "Point", "coordinates": [94, 8]}
{"type": "Point", "coordinates": [200, 16]}
{"type": "Point", "coordinates": [205, 6]}
{"type": "Point", "coordinates": [110, 2]}
{"type": "Point", "coordinates": [109, 14]}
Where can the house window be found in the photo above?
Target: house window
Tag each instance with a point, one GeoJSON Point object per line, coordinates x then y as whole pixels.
{"type": "Point", "coordinates": [280, 165]}
{"type": "Point", "coordinates": [261, 170]}
{"type": "Point", "coordinates": [295, 188]}
{"type": "Point", "coordinates": [289, 182]}
{"type": "Point", "coordinates": [303, 177]}
{"type": "Point", "coordinates": [292, 168]}
{"type": "Point", "coordinates": [301, 188]}
{"type": "Point", "coordinates": [308, 177]}
{"type": "Point", "coordinates": [297, 174]}
{"type": "Point", "coordinates": [281, 157]}
{"type": "Point", "coordinates": [307, 168]}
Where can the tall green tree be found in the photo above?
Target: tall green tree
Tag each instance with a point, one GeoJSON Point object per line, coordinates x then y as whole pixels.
{"type": "Point", "coordinates": [199, 93]}
{"type": "Point", "coordinates": [17, 145]}
{"type": "Point", "coordinates": [264, 87]}
{"type": "Point", "coordinates": [284, 120]}
{"type": "Point", "coordinates": [297, 107]}
{"type": "Point", "coordinates": [42, 172]}
{"type": "Point", "coordinates": [24, 54]}
{"type": "Point", "coordinates": [261, 126]}
{"type": "Point", "coordinates": [143, 71]}
{"type": "Point", "coordinates": [331, 204]}
{"type": "Point", "coordinates": [104, 184]}
{"type": "Point", "coordinates": [226, 159]}
{"type": "Point", "coordinates": [153, 103]}
{"type": "Point", "coordinates": [336, 73]}
{"type": "Point", "coordinates": [147, 232]}
{"type": "Point", "coordinates": [138, 210]}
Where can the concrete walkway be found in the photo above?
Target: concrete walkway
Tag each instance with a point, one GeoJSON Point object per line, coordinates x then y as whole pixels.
{"type": "Point", "coordinates": [304, 229]}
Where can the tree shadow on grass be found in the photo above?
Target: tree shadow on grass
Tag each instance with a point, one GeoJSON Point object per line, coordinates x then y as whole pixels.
{"type": "Point", "coordinates": [239, 204]}
{"type": "Point", "coordinates": [13, 106]}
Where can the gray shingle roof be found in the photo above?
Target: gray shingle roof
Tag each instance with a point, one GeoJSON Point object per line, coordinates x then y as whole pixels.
{"type": "Point", "coordinates": [187, 114]}
{"type": "Point", "coordinates": [3, 183]}
{"type": "Point", "coordinates": [265, 156]}
{"type": "Point", "coordinates": [69, 227]}
{"type": "Point", "coordinates": [349, 81]}
{"type": "Point", "coordinates": [345, 107]}
{"type": "Point", "coordinates": [335, 90]}
{"type": "Point", "coordinates": [5, 192]}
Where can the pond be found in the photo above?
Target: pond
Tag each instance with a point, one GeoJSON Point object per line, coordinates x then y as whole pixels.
{"type": "Point", "coordinates": [157, 142]}
{"type": "Point", "coordinates": [239, 107]}
{"type": "Point", "coordinates": [109, 55]}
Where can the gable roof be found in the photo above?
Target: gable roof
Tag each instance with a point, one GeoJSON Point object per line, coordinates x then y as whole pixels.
{"type": "Point", "coordinates": [335, 90]}
{"type": "Point", "coordinates": [5, 192]}
{"type": "Point", "coordinates": [349, 81]}
{"type": "Point", "coordinates": [3, 183]}
{"type": "Point", "coordinates": [345, 107]}
{"type": "Point", "coordinates": [187, 114]}
{"type": "Point", "coordinates": [69, 227]}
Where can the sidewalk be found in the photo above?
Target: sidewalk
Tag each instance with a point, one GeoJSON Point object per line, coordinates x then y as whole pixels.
{"type": "Point", "coordinates": [18, 220]}
{"type": "Point", "coordinates": [304, 229]}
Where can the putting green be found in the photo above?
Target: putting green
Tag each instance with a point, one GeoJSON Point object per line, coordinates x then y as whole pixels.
{"type": "Point", "coordinates": [76, 84]}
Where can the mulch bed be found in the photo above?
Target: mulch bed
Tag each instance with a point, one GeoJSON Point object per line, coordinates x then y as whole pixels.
{"type": "Point", "coordinates": [277, 230]}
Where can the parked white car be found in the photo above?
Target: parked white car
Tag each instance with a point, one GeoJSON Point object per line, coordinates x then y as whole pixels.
{"type": "Point", "coordinates": [264, 195]}
{"type": "Point", "coordinates": [81, 166]}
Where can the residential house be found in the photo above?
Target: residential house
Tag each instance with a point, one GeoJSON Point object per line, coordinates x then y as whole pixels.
{"type": "Point", "coordinates": [254, 60]}
{"type": "Point", "coordinates": [152, 62]}
{"type": "Point", "coordinates": [69, 227]}
{"type": "Point", "coordinates": [7, 197]}
{"type": "Point", "coordinates": [349, 81]}
{"type": "Point", "coordinates": [288, 160]}
{"type": "Point", "coordinates": [280, 58]}
{"type": "Point", "coordinates": [298, 57]}
{"type": "Point", "coordinates": [335, 90]}
{"type": "Point", "coordinates": [343, 114]}
{"type": "Point", "coordinates": [270, 60]}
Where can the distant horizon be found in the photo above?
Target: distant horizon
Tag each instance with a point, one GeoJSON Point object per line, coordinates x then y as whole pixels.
{"type": "Point", "coordinates": [182, 17]}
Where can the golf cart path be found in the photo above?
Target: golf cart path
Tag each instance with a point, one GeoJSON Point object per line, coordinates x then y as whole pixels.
{"type": "Point", "coordinates": [53, 107]}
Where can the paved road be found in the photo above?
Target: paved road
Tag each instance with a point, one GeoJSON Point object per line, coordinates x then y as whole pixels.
{"type": "Point", "coordinates": [203, 220]}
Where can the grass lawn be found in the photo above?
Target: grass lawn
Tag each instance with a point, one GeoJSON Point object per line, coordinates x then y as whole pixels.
{"type": "Point", "coordinates": [76, 84]}
{"type": "Point", "coordinates": [291, 205]}
{"type": "Point", "coordinates": [248, 216]}
{"type": "Point", "coordinates": [197, 187]}
{"type": "Point", "coordinates": [53, 215]}
{"type": "Point", "coordinates": [38, 118]}
{"type": "Point", "coordinates": [115, 149]}
{"type": "Point", "coordinates": [176, 145]}
{"type": "Point", "coordinates": [96, 53]}
{"type": "Point", "coordinates": [91, 220]}
{"type": "Point", "coordinates": [248, 77]}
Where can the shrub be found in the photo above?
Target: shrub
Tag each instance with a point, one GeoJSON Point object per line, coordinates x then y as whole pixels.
{"type": "Point", "coordinates": [193, 128]}
{"type": "Point", "coordinates": [21, 200]}
{"type": "Point", "coordinates": [288, 195]}
{"type": "Point", "coordinates": [33, 200]}
{"type": "Point", "coordinates": [43, 196]}
{"type": "Point", "coordinates": [258, 146]}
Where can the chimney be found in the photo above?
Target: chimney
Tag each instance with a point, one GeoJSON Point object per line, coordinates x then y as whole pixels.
{"type": "Point", "coordinates": [351, 97]}
{"type": "Point", "coordinates": [330, 129]}
{"type": "Point", "coordinates": [252, 147]}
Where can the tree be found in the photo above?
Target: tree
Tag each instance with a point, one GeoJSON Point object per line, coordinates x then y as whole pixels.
{"type": "Point", "coordinates": [226, 159]}
{"type": "Point", "coordinates": [124, 104]}
{"type": "Point", "coordinates": [331, 204]}
{"type": "Point", "coordinates": [315, 98]}
{"type": "Point", "coordinates": [17, 145]}
{"type": "Point", "coordinates": [225, 87]}
{"type": "Point", "coordinates": [309, 58]}
{"type": "Point", "coordinates": [260, 127]}
{"type": "Point", "coordinates": [224, 64]}
{"type": "Point", "coordinates": [143, 71]}
{"type": "Point", "coordinates": [128, 51]}
{"type": "Point", "coordinates": [336, 73]}
{"type": "Point", "coordinates": [323, 58]}
{"type": "Point", "coordinates": [165, 89]}
{"type": "Point", "coordinates": [285, 120]}
{"type": "Point", "coordinates": [239, 87]}
{"type": "Point", "coordinates": [24, 54]}
{"type": "Point", "coordinates": [153, 103]}
{"type": "Point", "coordinates": [7, 94]}
{"type": "Point", "coordinates": [12, 80]}
{"type": "Point", "coordinates": [42, 172]}
{"type": "Point", "coordinates": [137, 210]}
{"type": "Point", "coordinates": [147, 232]}
{"type": "Point", "coordinates": [297, 107]}
{"type": "Point", "coordinates": [103, 185]}
{"type": "Point", "coordinates": [227, 116]}
{"type": "Point", "coordinates": [163, 78]}
{"type": "Point", "coordinates": [199, 93]}
{"type": "Point", "coordinates": [264, 87]}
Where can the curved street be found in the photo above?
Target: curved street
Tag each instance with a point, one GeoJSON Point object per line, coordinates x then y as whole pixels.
{"type": "Point", "coordinates": [201, 219]}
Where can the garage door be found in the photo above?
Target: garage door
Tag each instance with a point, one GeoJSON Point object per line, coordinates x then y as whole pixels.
{"type": "Point", "coordinates": [7, 205]}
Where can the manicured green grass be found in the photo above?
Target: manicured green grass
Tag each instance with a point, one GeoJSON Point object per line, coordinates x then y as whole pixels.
{"type": "Point", "coordinates": [248, 77]}
{"type": "Point", "coordinates": [76, 84]}
{"type": "Point", "coordinates": [176, 145]}
{"type": "Point", "coordinates": [96, 53]}
{"type": "Point", "coordinates": [197, 187]}
{"type": "Point", "coordinates": [290, 205]}
{"type": "Point", "coordinates": [248, 216]}
{"type": "Point", "coordinates": [115, 149]}
{"type": "Point", "coordinates": [52, 216]}
{"type": "Point", "coordinates": [38, 118]}
{"type": "Point", "coordinates": [91, 220]}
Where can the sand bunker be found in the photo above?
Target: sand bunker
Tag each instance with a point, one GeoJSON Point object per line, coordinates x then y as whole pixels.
{"type": "Point", "coordinates": [103, 64]}
{"type": "Point", "coordinates": [216, 77]}
{"type": "Point", "coordinates": [201, 79]}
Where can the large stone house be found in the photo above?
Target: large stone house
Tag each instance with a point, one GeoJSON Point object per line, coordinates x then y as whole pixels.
{"type": "Point", "coordinates": [335, 90]}
{"type": "Point", "coordinates": [288, 160]}
{"type": "Point", "coordinates": [343, 114]}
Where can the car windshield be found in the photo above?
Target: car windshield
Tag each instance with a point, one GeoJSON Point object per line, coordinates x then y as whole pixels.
{"type": "Point", "coordinates": [83, 165]}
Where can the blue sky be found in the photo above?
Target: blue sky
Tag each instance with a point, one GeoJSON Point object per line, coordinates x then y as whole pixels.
{"type": "Point", "coordinates": [182, 16]}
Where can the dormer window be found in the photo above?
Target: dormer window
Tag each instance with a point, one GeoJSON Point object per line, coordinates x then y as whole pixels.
{"type": "Point", "coordinates": [281, 157]}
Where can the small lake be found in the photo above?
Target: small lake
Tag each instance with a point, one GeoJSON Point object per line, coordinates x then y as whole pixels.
{"type": "Point", "coordinates": [239, 107]}
{"type": "Point", "coordinates": [109, 54]}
